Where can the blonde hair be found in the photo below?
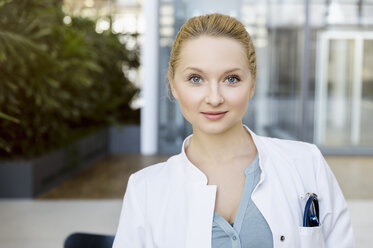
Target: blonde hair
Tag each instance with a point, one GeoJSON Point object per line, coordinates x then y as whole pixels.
{"type": "Point", "coordinates": [215, 25]}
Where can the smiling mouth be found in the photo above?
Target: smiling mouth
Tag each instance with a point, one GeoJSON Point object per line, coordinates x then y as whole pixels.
{"type": "Point", "coordinates": [215, 112]}
{"type": "Point", "coordinates": [214, 115]}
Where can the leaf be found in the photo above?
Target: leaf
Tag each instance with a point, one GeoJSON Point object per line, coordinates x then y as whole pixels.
{"type": "Point", "coordinates": [17, 42]}
{"type": "Point", "coordinates": [8, 117]}
{"type": "Point", "coordinates": [41, 33]}
{"type": "Point", "coordinates": [32, 25]}
{"type": "Point", "coordinates": [13, 87]}
{"type": "Point", "coordinates": [93, 66]}
{"type": "Point", "coordinates": [54, 83]}
{"type": "Point", "coordinates": [3, 145]}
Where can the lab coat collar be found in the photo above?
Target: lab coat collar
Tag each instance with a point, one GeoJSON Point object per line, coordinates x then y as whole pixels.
{"type": "Point", "coordinates": [195, 175]}
{"type": "Point", "coordinates": [201, 197]}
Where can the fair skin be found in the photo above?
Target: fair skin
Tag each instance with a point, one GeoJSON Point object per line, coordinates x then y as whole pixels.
{"type": "Point", "coordinates": [213, 75]}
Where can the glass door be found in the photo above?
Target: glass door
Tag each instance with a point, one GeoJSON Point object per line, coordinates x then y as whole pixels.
{"type": "Point", "coordinates": [344, 89]}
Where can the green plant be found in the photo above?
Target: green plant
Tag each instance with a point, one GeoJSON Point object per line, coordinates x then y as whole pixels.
{"type": "Point", "coordinates": [57, 81]}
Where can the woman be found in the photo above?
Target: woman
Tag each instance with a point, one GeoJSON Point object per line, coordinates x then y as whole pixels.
{"type": "Point", "coordinates": [228, 187]}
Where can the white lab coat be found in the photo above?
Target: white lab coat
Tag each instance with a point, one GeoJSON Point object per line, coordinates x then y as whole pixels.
{"type": "Point", "coordinates": [170, 205]}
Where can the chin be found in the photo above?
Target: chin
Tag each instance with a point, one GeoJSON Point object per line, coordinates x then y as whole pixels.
{"type": "Point", "coordinates": [214, 127]}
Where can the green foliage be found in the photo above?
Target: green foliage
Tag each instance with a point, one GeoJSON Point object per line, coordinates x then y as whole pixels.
{"type": "Point", "coordinates": [58, 80]}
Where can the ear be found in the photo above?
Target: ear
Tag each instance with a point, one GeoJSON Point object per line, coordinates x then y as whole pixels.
{"type": "Point", "coordinates": [173, 91]}
{"type": "Point", "coordinates": [252, 90]}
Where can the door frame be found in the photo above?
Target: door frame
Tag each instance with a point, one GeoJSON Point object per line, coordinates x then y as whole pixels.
{"type": "Point", "coordinates": [321, 88]}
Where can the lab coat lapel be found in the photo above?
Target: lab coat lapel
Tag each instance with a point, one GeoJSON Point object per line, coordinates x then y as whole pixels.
{"type": "Point", "coordinates": [266, 188]}
{"type": "Point", "coordinates": [201, 203]}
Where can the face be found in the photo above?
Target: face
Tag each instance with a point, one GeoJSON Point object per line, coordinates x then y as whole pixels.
{"type": "Point", "coordinates": [212, 76]}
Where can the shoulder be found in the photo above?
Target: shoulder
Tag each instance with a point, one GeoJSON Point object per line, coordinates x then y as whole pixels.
{"type": "Point", "coordinates": [295, 157]}
{"type": "Point", "coordinates": [295, 163]}
{"type": "Point", "coordinates": [159, 172]}
{"type": "Point", "coordinates": [289, 148]}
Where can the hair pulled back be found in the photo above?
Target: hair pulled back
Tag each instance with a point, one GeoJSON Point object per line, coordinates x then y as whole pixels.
{"type": "Point", "coordinates": [215, 25]}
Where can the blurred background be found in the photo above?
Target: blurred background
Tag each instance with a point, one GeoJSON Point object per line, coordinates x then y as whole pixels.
{"type": "Point", "coordinates": [83, 102]}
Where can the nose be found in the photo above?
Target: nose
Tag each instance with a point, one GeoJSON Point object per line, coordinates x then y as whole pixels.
{"type": "Point", "coordinates": [214, 96]}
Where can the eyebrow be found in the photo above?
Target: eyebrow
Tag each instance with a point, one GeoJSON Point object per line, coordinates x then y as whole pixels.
{"type": "Point", "coordinates": [196, 69]}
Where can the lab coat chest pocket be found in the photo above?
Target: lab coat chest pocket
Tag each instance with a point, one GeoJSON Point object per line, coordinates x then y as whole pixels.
{"type": "Point", "coordinates": [311, 237]}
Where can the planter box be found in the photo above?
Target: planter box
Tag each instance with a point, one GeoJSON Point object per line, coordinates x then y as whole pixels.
{"type": "Point", "coordinates": [28, 178]}
{"type": "Point", "coordinates": [124, 139]}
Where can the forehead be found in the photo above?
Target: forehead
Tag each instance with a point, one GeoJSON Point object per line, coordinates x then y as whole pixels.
{"type": "Point", "coordinates": [213, 52]}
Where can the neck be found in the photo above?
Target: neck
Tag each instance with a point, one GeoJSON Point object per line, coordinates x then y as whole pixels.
{"type": "Point", "coordinates": [205, 148]}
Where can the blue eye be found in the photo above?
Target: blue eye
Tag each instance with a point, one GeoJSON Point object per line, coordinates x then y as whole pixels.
{"type": "Point", "coordinates": [233, 79]}
{"type": "Point", "coordinates": [195, 79]}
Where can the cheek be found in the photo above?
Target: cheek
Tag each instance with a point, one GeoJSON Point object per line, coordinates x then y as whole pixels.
{"type": "Point", "coordinates": [239, 99]}
{"type": "Point", "coordinates": [188, 99]}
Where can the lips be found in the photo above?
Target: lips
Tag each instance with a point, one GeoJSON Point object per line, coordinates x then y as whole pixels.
{"type": "Point", "coordinates": [215, 112]}
{"type": "Point", "coordinates": [214, 115]}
